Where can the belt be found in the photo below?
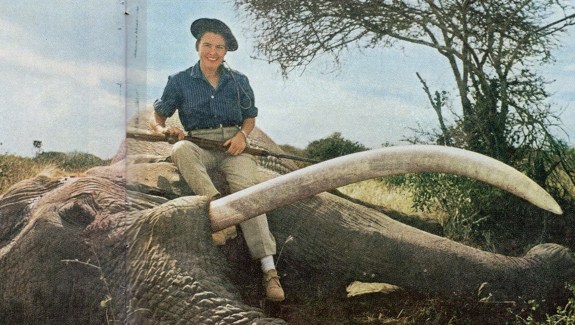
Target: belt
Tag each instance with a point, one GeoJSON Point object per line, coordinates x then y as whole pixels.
{"type": "Point", "coordinates": [222, 132]}
{"type": "Point", "coordinates": [219, 126]}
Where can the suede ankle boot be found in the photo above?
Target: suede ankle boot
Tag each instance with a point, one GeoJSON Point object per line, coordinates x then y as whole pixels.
{"type": "Point", "coordinates": [274, 291]}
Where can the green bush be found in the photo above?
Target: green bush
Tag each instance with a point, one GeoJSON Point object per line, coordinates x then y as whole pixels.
{"type": "Point", "coordinates": [483, 216]}
{"type": "Point", "coordinates": [458, 199]}
{"type": "Point", "coordinates": [562, 315]}
{"type": "Point", "coordinates": [331, 147]}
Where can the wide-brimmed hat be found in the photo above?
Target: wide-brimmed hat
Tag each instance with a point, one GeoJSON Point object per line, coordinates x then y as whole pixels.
{"type": "Point", "coordinates": [203, 25]}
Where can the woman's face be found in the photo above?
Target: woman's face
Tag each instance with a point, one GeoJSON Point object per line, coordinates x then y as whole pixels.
{"type": "Point", "coordinates": [212, 50]}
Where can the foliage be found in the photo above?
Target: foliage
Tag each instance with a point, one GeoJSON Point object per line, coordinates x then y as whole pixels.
{"type": "Point", "coordinates": [331, 147]}
{"type": "Point", "coordinates": [553, 168]}
{"type": "Point", "coordinates": [493, 50]}
{"type": "Point", "coordinates": [452, 195]}
{"type": "Point", "coordinates": [563, 315]}
{"type": "Point", "coordinates": [481, 216]}
{"type": "Point", "coordinates": [478, 214]}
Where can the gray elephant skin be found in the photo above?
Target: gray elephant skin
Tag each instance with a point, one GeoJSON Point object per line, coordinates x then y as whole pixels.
{"type": "Point", "coordinates": [129, 243]}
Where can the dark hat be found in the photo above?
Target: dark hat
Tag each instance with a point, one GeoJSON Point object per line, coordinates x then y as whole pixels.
{"type": "Point", "coordinates": [203, 25]}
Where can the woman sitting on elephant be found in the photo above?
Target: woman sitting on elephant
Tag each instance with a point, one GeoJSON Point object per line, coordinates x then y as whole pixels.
{"type": "Point", "coordinates": [217, 103]}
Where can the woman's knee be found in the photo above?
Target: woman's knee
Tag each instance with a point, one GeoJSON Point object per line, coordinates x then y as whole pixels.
{"type": "Point", "coordinates": [185, 149]}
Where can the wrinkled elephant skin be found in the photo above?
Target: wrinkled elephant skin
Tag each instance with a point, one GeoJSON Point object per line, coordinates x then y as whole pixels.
{"type": "Point", "coordinates": [80, 255]}
{"type": "Point", "coordinates": [123, 247]}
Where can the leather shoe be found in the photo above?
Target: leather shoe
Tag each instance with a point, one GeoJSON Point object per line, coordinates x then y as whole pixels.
{"type": "Point", "coordinates": [274, 291]}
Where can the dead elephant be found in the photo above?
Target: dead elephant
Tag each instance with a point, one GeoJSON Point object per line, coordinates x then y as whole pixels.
{"type": "Point", "coordinates": [128, 243]}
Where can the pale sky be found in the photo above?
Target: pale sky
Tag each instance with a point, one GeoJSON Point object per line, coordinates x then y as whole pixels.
{"type": "Point", "coordinates": [64, 78]}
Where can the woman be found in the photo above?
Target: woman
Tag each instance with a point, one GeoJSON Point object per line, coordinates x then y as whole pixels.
{"type": "Point", "coordinates": [217, 103]}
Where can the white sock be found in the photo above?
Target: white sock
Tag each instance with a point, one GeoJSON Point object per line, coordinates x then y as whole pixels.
{"type": "Point", "coordinates": [267, 263]}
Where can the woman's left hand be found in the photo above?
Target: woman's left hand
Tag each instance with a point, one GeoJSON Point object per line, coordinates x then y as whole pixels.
{"type": "Point", "coordinates": [237, 144]}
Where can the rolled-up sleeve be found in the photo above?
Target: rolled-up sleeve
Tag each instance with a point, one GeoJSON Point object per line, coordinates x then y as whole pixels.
{"type": "Point", "coordinates": [171, 99]}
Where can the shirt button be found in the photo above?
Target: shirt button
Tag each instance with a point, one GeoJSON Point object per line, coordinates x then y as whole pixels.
{"type": "Point", "coordinates": [212, 96]}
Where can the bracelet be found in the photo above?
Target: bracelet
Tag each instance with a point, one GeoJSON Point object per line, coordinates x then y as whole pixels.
{"type": "Point", "coordinates": [244, 133]}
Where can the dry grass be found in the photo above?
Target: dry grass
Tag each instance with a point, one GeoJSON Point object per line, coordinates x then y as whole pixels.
{"type": "Point", "coordinates": [398, 307]}
{"type": "Point", "coordinates": [14, 169]}
{"type": "Point", "coordinates": [378, 192]}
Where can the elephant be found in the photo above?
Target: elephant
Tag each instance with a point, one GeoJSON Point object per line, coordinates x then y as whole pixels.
{"type": "Point", "coordinates": [130, 243]}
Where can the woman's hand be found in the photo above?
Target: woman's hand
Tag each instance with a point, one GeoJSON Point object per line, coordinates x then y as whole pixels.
{"type": "Point", "coordinates": [237, 144]}
{"type": "Point", "coordinates": [170, 132]}
{"type": "Point", "coordinates": [158, 124]}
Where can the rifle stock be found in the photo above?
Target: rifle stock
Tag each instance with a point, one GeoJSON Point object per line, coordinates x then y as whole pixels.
{"type": "Point", "coordinates": [209, 144]}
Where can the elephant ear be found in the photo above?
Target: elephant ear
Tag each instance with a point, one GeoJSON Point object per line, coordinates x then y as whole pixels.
{"type": "Point", "coordinates": [341, 171]}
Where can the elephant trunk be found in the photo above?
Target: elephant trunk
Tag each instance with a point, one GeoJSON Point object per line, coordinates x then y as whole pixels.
{"type": "Point", "coordinates": [358, 243]}
{"type": "Point", "coordinates": [341, 171]}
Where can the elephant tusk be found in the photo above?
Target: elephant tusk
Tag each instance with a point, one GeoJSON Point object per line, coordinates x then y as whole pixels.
{"type": "Point", "coordinates": [306, 182]}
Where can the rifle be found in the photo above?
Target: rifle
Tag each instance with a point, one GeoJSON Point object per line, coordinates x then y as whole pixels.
{"type": "Point", "coordinates": [209, 144]}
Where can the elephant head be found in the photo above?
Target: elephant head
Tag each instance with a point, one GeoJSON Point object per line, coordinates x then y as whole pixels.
{"type": "Point", "coordinates": [130, 243]}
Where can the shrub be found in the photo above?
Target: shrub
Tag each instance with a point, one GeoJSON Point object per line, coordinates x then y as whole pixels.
{"type": "Point", "coordinates": [563, 315]}
{"type": "Point", "coordinates": [481, 215]}
{"type": "Point", "coordinates": [455, 197]}
{"type": "Point", "coordinates": [331, 147]}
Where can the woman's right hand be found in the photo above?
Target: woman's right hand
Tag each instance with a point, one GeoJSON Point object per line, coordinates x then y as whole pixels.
{"type": "Point", "coordinates": [159, 125]}
{"type": "Point", "coordinates": [170, 132]}
{"type": "Point", "coordinates": [173, 132]}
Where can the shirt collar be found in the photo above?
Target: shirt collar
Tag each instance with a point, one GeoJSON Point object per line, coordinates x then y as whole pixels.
{"type": "Point", "coordinates": [196, 72]}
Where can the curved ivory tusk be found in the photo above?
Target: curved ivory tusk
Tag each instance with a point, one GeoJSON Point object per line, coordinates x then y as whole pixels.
{"type": "Point", "coordinates": [306, 182]}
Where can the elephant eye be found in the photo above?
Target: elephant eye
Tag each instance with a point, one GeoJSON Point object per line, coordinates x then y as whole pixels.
{"type": "Point", "coordinates": [77, 213]}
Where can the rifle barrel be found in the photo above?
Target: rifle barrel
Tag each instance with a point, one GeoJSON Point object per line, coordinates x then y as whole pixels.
{"type": "Point", "coordinates": [210, 144]}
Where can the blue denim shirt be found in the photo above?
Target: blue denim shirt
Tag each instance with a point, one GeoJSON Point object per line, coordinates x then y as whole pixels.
{"type": "Point", "coordinates": [200, 106]}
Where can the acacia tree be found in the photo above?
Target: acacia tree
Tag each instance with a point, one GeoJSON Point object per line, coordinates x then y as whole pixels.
{"type": "Point", "coordinates": [492, 48]}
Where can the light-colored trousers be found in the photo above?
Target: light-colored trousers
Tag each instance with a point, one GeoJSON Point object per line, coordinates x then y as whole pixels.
{"type": "Point", "coordinates": [240, 172]}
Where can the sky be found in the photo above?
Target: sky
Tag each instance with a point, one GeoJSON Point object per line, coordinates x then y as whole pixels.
{"type": "Point", "coordinates": [73, 72]}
